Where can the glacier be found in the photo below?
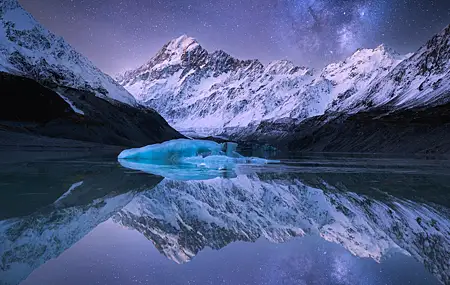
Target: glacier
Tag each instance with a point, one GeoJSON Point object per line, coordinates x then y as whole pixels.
{"type": "Point", "coordinates": [186, 159]}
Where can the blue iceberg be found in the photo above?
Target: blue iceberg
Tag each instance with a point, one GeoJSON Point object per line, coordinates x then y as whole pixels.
{"type": "Point", "coordinates": [186, 159]}
{"type": "Point", "coordinates": [182, 172]}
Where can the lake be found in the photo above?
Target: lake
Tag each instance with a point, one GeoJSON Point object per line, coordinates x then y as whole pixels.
{"type": "Point", "coordinates": [311, 219]}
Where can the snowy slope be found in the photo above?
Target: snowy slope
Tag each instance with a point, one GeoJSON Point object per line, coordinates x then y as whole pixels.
{"type": "Point", "coordinates": [29, 49]}
{"type": "Point", "coordinates": [208, 92]}
{"type": "Point", "coordinates": [192, 88]}
{"type": "Point", "coordinates": [27, 243]}
{"type": "Point", "coordinates": [422, 79]}
{"type": "Point", "coordinates": [184, 217]}
{"type": "Point", "coordinates": [352, 77]}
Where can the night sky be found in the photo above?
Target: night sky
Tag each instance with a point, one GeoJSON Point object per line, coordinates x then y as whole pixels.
{"type": "Point", "coordinates": [121, 34]}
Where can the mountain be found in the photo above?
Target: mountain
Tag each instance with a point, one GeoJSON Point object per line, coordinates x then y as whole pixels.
{"type": "Point", "coordinates": [214, 93]}
{"type": "Point", "coordinates": [192, 88]}
{"type": "Point", "coordinates": [416, 130]}
{"type": "Point", "coordinates": [63, 112]}
{"type": "Point", "coordinates": [206, 92]}
{"type": "Point", "coordinates": [184, 217]}
{"type": "Point", "coordinates": [421, 80]}
{"type": "Point", "coordinates": [405, 111]}
{"type": "Point", "coordinates": [49, 89]}
{"type": "Point", "coordinates": [369, 215]}
{"type": "Point", "coordinates": [93, 195]}
{"type": "Point", "coordinates": [352, 77]}
{"type": "Point", "coordinates": [421, 130]}
{"type": "Point", "coordinates": [28, 49]}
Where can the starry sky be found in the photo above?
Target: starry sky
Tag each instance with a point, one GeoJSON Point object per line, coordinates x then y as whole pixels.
{"type": "Point", "coordinates": [118, 35]}
{"type": "Point", "coordinates": [112, 254]}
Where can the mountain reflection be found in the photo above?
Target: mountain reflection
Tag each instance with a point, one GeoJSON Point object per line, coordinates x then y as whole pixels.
{"type": "Point", "coordinates": [370, 215]}
{"type": "Point", "coordinates": [29, 241]}
{"type": "Point", "coordinates": [184, 217]}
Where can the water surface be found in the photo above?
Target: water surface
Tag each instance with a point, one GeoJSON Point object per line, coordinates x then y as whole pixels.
{"type": "Point", "coordinates": [315, 219]}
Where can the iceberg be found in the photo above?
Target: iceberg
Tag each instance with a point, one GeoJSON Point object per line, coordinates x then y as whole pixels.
{"type": "Point", "coordinates": [186, 159]}
{"type": "Point", "coordinates": [181, 172]}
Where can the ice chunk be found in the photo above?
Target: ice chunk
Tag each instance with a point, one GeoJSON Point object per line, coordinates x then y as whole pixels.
{"type": "Point", "coordinates": [182, 172]}
{"type": "Point", "coordinates": [172, 152]}
{"type": "Point", "coordinates": [186, 159]}
{"type": "Point", "coordinates": [176, 152]}
{"type": "Point", "coordinates": [230, 149]}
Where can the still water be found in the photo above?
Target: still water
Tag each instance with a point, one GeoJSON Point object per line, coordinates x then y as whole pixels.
{"type": "Point", "coordinates": [308, 220]}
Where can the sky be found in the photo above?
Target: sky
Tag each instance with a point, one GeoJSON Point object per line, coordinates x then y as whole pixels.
{"type": "Point", "coordinates": [119, 35]}
{"type": "Point", "coordinates": [113, 254]}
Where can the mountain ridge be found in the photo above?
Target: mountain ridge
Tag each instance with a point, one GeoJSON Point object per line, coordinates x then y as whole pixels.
{"type": "Point", "coordinates": [184, 217]}
{"type": "Point", "coordinates": [211, 93]}
{"type": "Point", "coordinates": [29, 49]}
{"type": "Point", "coordinates": [49, 89]}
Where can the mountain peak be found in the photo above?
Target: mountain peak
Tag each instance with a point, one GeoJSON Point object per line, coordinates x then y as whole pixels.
{"type": "Point", "coordinates": [8, 5]}
{"type": "Point", "coordinates": [381, 51]}
{"type": "Point", "coordinates": [183, 43]}
{"type": "Point", "coordinates": [445, 31]}
{"type": "Point", "coordinates": [385, 48]}
{"type": "Point", "coordinates": [284, 66]}
{"type": "Point", "coordinates": [29, 49]}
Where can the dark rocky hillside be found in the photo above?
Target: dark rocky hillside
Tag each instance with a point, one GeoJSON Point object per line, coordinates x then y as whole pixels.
{"type": "Point", "coordinates": [418, 130]}
{"type": "Point", "coordinates": [30, 108]}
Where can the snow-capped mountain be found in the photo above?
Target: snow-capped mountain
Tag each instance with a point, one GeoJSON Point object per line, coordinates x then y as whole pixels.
{"type": "Point", "coordinates": [195, 89]}
{"type": "Point", "coordinates": [184, 217]}
{"type": "Point", "coordinates": [208, 92]}
{"type": "Point", "coordinates": [422, 79]}
{"type": "Point", "coordinates": [28, 49]}
{"type": "Point", "coordinates": [28, 242]}
{"type": "Point", "coordinates": [352, 77]}
{"type": "Point", "coordinates": [192, 88]}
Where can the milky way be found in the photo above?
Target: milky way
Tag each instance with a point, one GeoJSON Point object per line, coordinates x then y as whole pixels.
{"type": "Point", "coordinates": [121, 34]}
{"type": "Point", "coordinates": [319, 31]}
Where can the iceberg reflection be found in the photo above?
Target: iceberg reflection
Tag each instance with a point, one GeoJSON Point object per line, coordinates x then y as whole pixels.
{"type": "Point", "coordinates": [182, 172]}
{"type": "Point", "coordinates": [185, 159]}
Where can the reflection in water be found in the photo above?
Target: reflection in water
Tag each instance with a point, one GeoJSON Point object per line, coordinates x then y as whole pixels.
{"type": "Point", "coordinates": [184, 217]}
{"type": "Point", "coordinates": [188, 159]}
{"type": "Point", "coordinates": [28, 242]}
{"type": "Point", "coordinates": [370, 215]}
{"type": "Point", "coordinates": [179, 171]}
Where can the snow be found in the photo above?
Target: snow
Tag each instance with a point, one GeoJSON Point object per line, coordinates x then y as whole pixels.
{"type": "Point", "coordinates": [176, 48]}
{"type": "Point", "coordinates": [182, 43]}
{"type": "Point", "coordinates": [74, 108]}
{"type": "Point", "coordinates": [209, 101]}
{"type": "Point", "coordinates": [206, 84]}
{"type": "Point", "coordinates": [279, 208]}
{"type": "Point", "coordinates": [22, 21]}
{"type": "Point", "coordinates": [358, 72]}
{"type": "Point", "coordinates": [420, 79]}
{"type": "Point", "coordinates": [220, 94]}
{"type": "Point", "coordinates": [49, 54]}
{"type": "Point", "coordinates": [73, 187]}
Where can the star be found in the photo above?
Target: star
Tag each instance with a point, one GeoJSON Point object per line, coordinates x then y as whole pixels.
{"type": "Point", "coordinates": [299, 30]}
